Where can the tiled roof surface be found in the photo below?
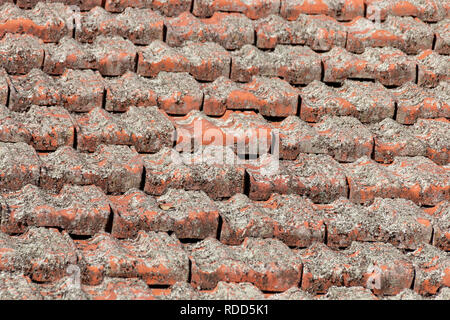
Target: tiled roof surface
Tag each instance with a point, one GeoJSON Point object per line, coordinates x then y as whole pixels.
{"type": "Point", "coordinates": [217, 149]}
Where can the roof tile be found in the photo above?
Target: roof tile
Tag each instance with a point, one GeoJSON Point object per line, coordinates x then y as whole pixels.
{"type": "Point", "coordinates": [43, 254]}
{"type": "Point", "coordinates": [212, 169]}
{"type": "Point", "coordinates": [145, 128]}
{"type": "Point", "coordinates": [156, 258]}
{"type": "Point", "coordinates": [268, 264]}
{"type": "Point", "coordinates": [81, 210]}
{"type": "Point", "coordinates": [189, 214]}
{"type": "Point", "coordinates": [19, 164]}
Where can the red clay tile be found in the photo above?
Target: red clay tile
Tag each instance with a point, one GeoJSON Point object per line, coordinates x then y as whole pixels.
{"type": "Point", "coordinates": [317, 276]}
{"type": "Point", "coordinates": [416, 35]}
{"type": "Point", "coordinates": [66, 288]}
{"type": "Point", "coordinates": [293, 293]}
{"type": "Point", "coordinates": [156, 258]}
{"type": "Point", "coordinates": [442, 33]}
{"type": "Point", "coordinates": [129, 90]}
{"type": "Point", "coordinates": [415, 178]}
{"type": "Point", "coordinates": [368, 102]}
{"type": "Point", "coordinates": [16, 286]}
{"type": "Point", "coordinates": [171, 8]}
{"type": "Point", "coordinates": [189, 214]}
{"type": "Point", "coordinates": [214, 170]}
{"type": "Point", "coordinates": [393, 140]}
{"type": "Point", "coordinates": [428, 10]}
{"type": "Point", "coordinates": [93, 23]}
{"type": "Point", "coordinates": [120, 165]}
{"type": "Point", "coordinates": [318, 177]}
{"type": "Point", "coordinates": [47, 21]}
{"type": "Point", "coordinates": [406, 294]}
{"type": "Point", "coordinates": [440, 215]}
{"type": "Point", "coordinates": [19, 54]}
{"type": "Point", "coordinates": [204, 61]}
{"type": "Point", "coordinates": [81, 90]}
{"type": "Point", "coordinates": [324, 125]}
{"type": "Point", "coordinates": [179, 291]}
{"type": "Point", "coordinates": [145, 128]}
{"type": "Point", "coordinates": [110, 56]}
{"type": "Point", "coordinates": [355, 266]}
{"type": "Point", "coordinates": [120, 5]}
{"type": "Point", "coordinates": [140, 26]}
{"type": "Point", "coordinates": [207, 61]}
{"type": "Point", "coordinates": [35, 87]}
{"type": "Point", "coordinates": [368, 180]}
{"type": "Point", "coordinates": [11, 128]}
{"type": "Point", "coordinates": [4, 87]}
{"type": "Point", "coordinates": [246, 132]}
{"type": "Point", "coordinates": [270, 96]}
{"type": "Point", "coordinates": [341, 9]}
{"type": "Point", "coordinates": [158, 56]}
{"type": "Point", "coordinates": [274, 97]}
{"type": "Point", "coordinates": [348, 293]}
{"type": "Point", "coordinates": [167, 7]}
{"type": "Point", "coordinates": [407, 34]}
{"type": "Point", "coordinates": [435, 133]}
{"type": "Point", "coordinates": [444, 294]}
{"type": "Point", "coordinates": [319, 32]}
{"type": "Point", "coordinates": [19, 164]}
{"type": "Point", "coordinates": [289, 218]}
{"type": "Point", "coordinates": [297, 65]}
{"type": "Point", "coordinates": [423, 181]}
{"type": "Point", "coordinates": [433, 68]}
{"type": "Point", "coordinates": [230, 291]}
{"type": "Point", "coordinates": [254, 9]}
{"type": "Point", "coordinates": [216, 95]}
{"type": "Point", "coordinates": [42, 254]}
{"type": "Point", "coordinates": [432, 269]}
{"type": "Point", "coordinates": [295, 137]}
{"type": "Point", "coordinates": [78, 210]}
{"type": "Point", "coordinates": [178, 93]}
{"type": "Point", "coordinates": [415, 102]}
{"type": "Point", "coordinates": [396, 221]}
{"type": "Point", "coordinates": [344, 138]}
{"type": "Point", "coordinates": [68, 54]}
{"type": "Point", "coordinates": [115, 169]}
{"type": "Point", "coordinates": [365, 101]}
{"type": "Point", "coordinates": [233, 291]}
{"type": "Point", "coordinates": [389, 66]}
{"type": "Point", "coordinates": [268, 264]}
{"type": "Point", "coordinates": [82, 4]}
{"type": "Point", "coordinates": [45, 128]}
{"type": "Point", "coordinates": [68, 166]}
{"type": "Point", "coordinates": [115, 56]}
{"type": "Point", "coordinates": [119, 289]}
{"type": "Point", "coordinates": [230, 30]}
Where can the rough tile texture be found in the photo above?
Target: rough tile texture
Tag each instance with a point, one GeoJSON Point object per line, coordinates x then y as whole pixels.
{"type": "Point", "coordinates": [153, 257]}
{"type": "Point", "coordinates": [189, 214]}
{"type": "Point", "coordinates": [268, 264]}
{"type": "Point", "coordinates": [224, 149]}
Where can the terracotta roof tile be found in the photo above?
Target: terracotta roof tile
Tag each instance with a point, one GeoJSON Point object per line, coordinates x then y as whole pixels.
{"type": "Point", "coordinates": [224, 149]}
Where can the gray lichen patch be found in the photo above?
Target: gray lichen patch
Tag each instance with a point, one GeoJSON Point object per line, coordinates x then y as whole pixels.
{"type": "Point", "coordinates": [43, 254]}
{"type": "Point", "coordinates": [19, 165]}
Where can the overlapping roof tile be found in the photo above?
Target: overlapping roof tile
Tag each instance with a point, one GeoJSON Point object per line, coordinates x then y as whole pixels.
{"type": "Point", "coordinates": [245, 149]}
